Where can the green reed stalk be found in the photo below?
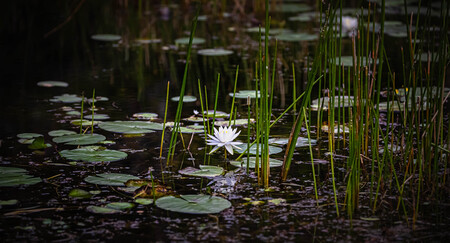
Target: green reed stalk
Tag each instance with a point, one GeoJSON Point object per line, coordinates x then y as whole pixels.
{"type": "Point", "coordinates": [215, 101]}
{"type": "Point", "coordinates": [234, 95]}
{"type": "Point", "coordinates": [273, 76]}
{"type": "Point", "coordinates": [207, 109]}
{"type": "Point", "coordinates": [294, 95]}
{"type": "Point", "coordinates": [203, 111]}
{"type": "Point", "coordinates": [248, 132]}
{"type": "Point", "coordinates": [165, 119]}
{"type": "Point", "coordinates": [312, 157]}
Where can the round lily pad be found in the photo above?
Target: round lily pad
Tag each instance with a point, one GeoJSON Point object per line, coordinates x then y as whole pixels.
{"type": "Point", "coordinates": [215, 52]}
{"type": "Point", "coordinates": [102, 210]}
{"type": "Point", "coordinates": [79, 193]}
{"type": "Point", "coordinates": [185, 41]}
{"type": "Point", "coordinates": [272, 149]}
{"type": "Point", "coordinates": [243, 94]}
{"type": "Point", "coordinates": [12, 176]}
{"type": "Point", "coordinates": [29, 135]}
{"type": "Point", "coordinates": [79, 139]}
{"type": "Point", "coordinates": [93, 154]}
{"type": "Point", "coordinates": [291, 7]}
{"type": "Point", "coordinates": [66, 98]}
{"type": "Point", "coordinates": [97, 117]}
{"type": "Point", "coordinates": [339, 101]}
{"type": "Point", "coordinates": [130, 127]}
{"type": "Point", "coordinates": [145, 115]}
{"type": "Point", "coordinates": [143, 201]}
{"type": "Point", "coordinates": [106, 37]}
{"type": "Point", "coordinates": [120, 205]}
{"type": "Point", "coordinates": [110, 179]}
{"type": "Point", "coordinates": [237, 122]}
{"type": "Point", "coordinates": [252, 162]}
{"type": "Point", "coordinates": [204, 171]}
{"type": "Point", "coordinates": [49, 84]}
{"type": "Point", "coordinates": [83, 122]}
{"type": "Point", "coordinates": [295, 37]}
{"type": "Point", "coordinates": [301, 141]}
{"type": "Point", "coordinates": [193, 204]}
{"type": "Point", "coordinates": [59, 133]}
{"type": "Point", "coordinates": [186, 98]}
{"type": "Point", "coordinates": [219, 114]}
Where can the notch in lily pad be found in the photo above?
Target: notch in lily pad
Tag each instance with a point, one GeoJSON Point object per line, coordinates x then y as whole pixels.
{"type": "Point", "coordinates": [193, 204]}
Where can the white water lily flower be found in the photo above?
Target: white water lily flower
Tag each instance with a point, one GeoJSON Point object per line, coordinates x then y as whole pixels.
{"type": "Point", "coordinates": [349, 24]}
{"type": "Point", "coordinates": [224, 137]}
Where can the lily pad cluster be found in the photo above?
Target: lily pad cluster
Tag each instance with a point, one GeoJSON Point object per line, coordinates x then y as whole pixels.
{"type": "Point", "coordinates": [12, 176]}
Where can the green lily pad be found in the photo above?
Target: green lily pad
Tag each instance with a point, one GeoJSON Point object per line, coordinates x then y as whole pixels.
{"type": "Point", "coordinates": [49, 84]}
{"type": "Point", "coordinates": [66, 98]}
{"type": "Point", "coordinates": [422, 92]}
{"type": "Point", "coordinates": [145, 115]}
{"type": "Point", "coordinates": [204, 171]}
{"type": "Point", "coordinates": [84, 122]}
{"type": "Point", "coordinates": [97, 117]}
{"type": "Point", "coordinates": [401, 106]}
{"type": "Point", "coordinates": [301, 141]}
{"type": "Point", "coordinates": [244, 94]}
{"type": "Point", "coordinates": [79, 139]}
{"type": "Point", "coordinates": [237, 122]}
{"type": "Point", "coordinates": [252, 162]}
{"type": "Point", "coordinates": [120, 205]}
{"type": "Point", "coordinates": [8, 202]}
{"type": "Point", "coordinates": [110, 179]}
{"type": "Point", "coordinates": [193, 204]}
{"type": "Point", "coordinates": [219, 114]}
{"type": "Point", "coordinates": [102, 210]}
{"type": "Point", "coordinates": [215, 52]}
{"type": "Point", "coordinates": [275, 31]}
{"type": "Point", "coordinates": [143, 201]}
{"type": "Point", "coordinates": [12, 176]}
{"type": "Point", "coordinates": [347, 61]}
{"type": "Point", "coordinates": [79, 193]}
{"type": "Point", "coordinates": [185, 41]}
{"type": "Point", "coordinates": [339, 101]}
{"type": "Point", "coordinates": [73, 113]}
{"type": "Point", "coordinates": [93, 154]}
{"type": "Point", "coordinates": [295, 37]}
{"type": "Point", "coordinates": [291, 7]}
{"type": "Point", "coordinates": [305, 17]}
{"type": "Point", "coordinates": [192, 129]}
{"type": "Point", "coordinates": [130, 127]}
{"type": "Point", "coordinates": [186, 98]}
{"type": "Point", "coordinates": [106, 37]}
{"type": "Point", "coordinates": [59, 133]}
{"type": "Point", "coordinates": [195, 119]}
{"type": "Point", "coordinates": [272, 149]}
{"type": "Point", "coordinates": [97, 99]}
{"type": "Point", "coordinates": [29, 135]}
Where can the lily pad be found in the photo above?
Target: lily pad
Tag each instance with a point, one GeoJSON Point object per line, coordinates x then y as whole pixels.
{"type": "Point", "coordinates": [295, 37]}
{"type": "Point", "coordinates": [401, 106]}
{"type": "Point", "coordinates": [143, 201]}
{"type": "Point", "coordinates": [12, 176]}
{"type": "Point", "coordinates": [244, 94]}
{"type": "Point", "coordinates": [120, 205]}
{"type": "Point", "coordinates": [130, 127]}
{"type": "Point", "coordinates": [275, 31]}
{"type": "Point", "coordinates": [110, 179]}
{"type": "Point", "coordinates": [185, 41]}
{"type": "Point", "coordinates": [347, 61]}
{"type": "Point", "coordinates": [193, 204]}
{"type": "Point", "coordinates": [219, 114]}
{"type": "Point", "coordinates": [237, 122]}
{"type": "Point", "coordinates": [186, 98]}
{"type": "Point", "coordinates": [97, 117]}
{"type": "Point", "coordinates": [59, 133]}
{"type": "Point", "coordinates": [106, 37]}
{"type": "Point", "coordinates": [49, 84]}
{"type": "Point", "coordinates": [8, 202]}
{"type": "Point", "coordinates": [192, 129]}
{"type": "Point", "coordinates": [215, 52]}
{"type": "Point", "coordinates": [146, 41]}
{"type": "Point", "coordinates": [252, 162]}
{"type": "Point", "coordinates": [102, 210]}
{"type": "Point", "coordinates": [291, 7]}
{"type": "Point", "coordinates": [28, 138]}
{"type": "Point", "coordinates": [272, 149]}
{"type": "Point", "coordinates": [79, 193]}
{"type": "Point", "coordinates": [301, 141]}
{"type": "Point", "coordinates": [79, 139]}
{"type": "Point", "coordinates": [93, 154]}
{"type": "Point", "coordinates": [339, 101]}
{"type": "Point", "coordinates": [84, 122]}
{"type": "Point", "coordinates": [145, 115]}
{"type": "Point", "coordinates": [204, 171]}
{"type": "Point", "coordinates": [341, 128]}
{"type": "Point", "coordinates": [66, 98]}
{"type": "Point", "coordinates": [39, 143]}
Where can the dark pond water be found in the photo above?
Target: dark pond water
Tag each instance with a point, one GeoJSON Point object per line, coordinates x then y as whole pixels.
{"type": "Point", "coordinates": [52, 40]}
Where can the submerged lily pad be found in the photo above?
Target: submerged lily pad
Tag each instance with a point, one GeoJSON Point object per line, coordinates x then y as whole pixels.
{"type": "Point", "coordinates": [130, 127]}
{"type": "Point", "coordinates": [106, 37]}
{"type": "Point", "coordinates": [193, 204]}
{"type": "Point", "coordinates": [186, 98]}
{"type": "Point", "coordinates": [252, 162]}
{"type": "Point", "coordinates": [272, 149]}
{"type": "Point", "coordinates": [145, 115]}
{"type": "Point", "coordinates": [79, 139]}
{"type": "Point", "coordinates": [295, 37]}
{"type": "Point", "coordinates": [301, 141]}
{"type": "Point", "coordinates": [110, 179]}
{"type": "Point", "coordinates": [49, 84]}
{"type": "Point", "coordinates": [66, 98]}
{"type": "Point", "coordinates": [93, 154]}
{"type": "Point", "coordinates": [339, 101]}
{"type": "Point", "coordinates": [185, 41]}
{"type": "Point", "coordinates": [12, 176]}
{"type": "Point", "coordinates": [204, 171]}
{"type": "Point", "coordinates": [215, 52]}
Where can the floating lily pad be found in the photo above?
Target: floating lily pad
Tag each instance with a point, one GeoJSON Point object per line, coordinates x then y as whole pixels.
{"type": "Point", "coordinates": [192, 129]}
{"type": "Point", "coordinates": [84, 122]}
{"type": "Point", "coordinates": [120, 205]}
{"type": "Point", "coordinates": [106, 37]}
{"type": "Point", "coordinates": [237, 122]}
{"type": "Point", "coordinates": [193, 204]}
{"type": "Point", "coordinates": [146, 41]}
{"type": "Point", "coordinates": [143, 201]}
{"type": "Point", "coordinates": [97, 117]}
{"type": "Point", "coordinates": [49, 84]}
{"type": "Point", "coordinates": [291, 7]}
{"type": "Point", "coordinates": [305, 17]}
{"type": "Point", "coordinates": [8, 202]}
{"type": "Point", "coordinates": [12, 176]}
{"type": "Point", "coordinates": [186, 98]}
{"type": "Point", "coordinates": [66, 98]}
{"type": "Point", "coordinates": [110, 179]}
{"type": "Point", "coordinates": [59, 133]}
{"type": "Point", "coordinates": [347, 61]}
{"type": "Point", "coordinates": [93, 154]}
{"type": "Point", "coordinates": [185, 41]}
{"type": "Point", "coordinates": [204, 171]}
{"type": "Point", "coordinates": [400, 106]}
{"type": "Point", "coordinates": [301, 141]}
{"type": "Point", "coordinates": [195, 119]}
{"type": "Point", "coordinates": [275, 31]}
{"type": "Point", "coordinates": [341, 128]}
{"type": "Point", "coordinates": [73, 113]}
{"type": "Point", "coordinates": [244, 94]}
{"type": "Point", "coordinates": [272, 149]}
{"type": "Point", "coordinates": [215, 52]}
{"type": "Point", "coordinates": [145, 115]}
{"type": "Point", "coordinates": [102, 210]}
{"type": "Point", "coordinates": [219, 114]}
{"type": "Point", "coordinates": [339, 101]}
{"type": "Point", "coordinates": [422, 92]}
{"type": "Point", "coordinates": [252, 162]}
{"type": "Point", "coordinates": [295, 37]}
{"type": "Point", "coordinates": [29, 135]}
{"type": "Point", "coordinates": [79, 139]}
{"type": "Point", "coordinates": [39, 143]}
{"type": "Point", "coordinates": [97, 99]}
{"type": "Point", "coordinates": [79, 193]}
{"type": "Point", "coordinates": [130, 127]}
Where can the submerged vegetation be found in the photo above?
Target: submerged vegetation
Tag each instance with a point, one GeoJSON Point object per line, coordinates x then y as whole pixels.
{"type": "Point", "coordinates": [338, 117]}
